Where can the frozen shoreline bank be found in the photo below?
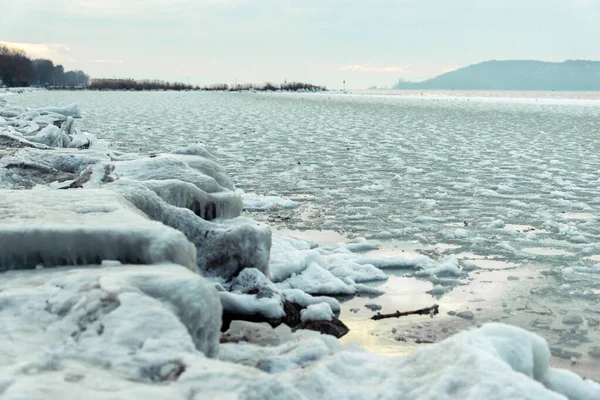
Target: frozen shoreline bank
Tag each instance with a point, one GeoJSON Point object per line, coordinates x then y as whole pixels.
{"type": "Point", "coordinates": [166, 355]}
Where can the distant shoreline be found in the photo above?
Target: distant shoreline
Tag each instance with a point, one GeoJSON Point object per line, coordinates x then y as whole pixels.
{"type": "Point", "coordinates": [528, 94]}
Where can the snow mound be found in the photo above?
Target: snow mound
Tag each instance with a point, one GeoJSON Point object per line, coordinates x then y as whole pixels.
{"type": "Point", "coordinates": [317, 312]}
{"type": "Point", "coordinates": [83, 227]}
{"type": "Point", "coordinates": [136, 322]}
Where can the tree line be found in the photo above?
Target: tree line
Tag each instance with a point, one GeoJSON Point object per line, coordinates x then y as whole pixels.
{"type": "Point", "coordinates": [18, 69]}
{"type": "Point", "coordinates": [132, 84]}
{"type": "Point", "coordinates": [264, 87]}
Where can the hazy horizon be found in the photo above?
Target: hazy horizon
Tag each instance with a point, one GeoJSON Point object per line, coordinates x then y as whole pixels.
{"type": "Point", "coordinates": [212, 41]}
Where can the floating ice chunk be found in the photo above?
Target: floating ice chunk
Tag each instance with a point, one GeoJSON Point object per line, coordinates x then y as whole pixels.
{"type": "Point", "coordinates": [360, 245]}
{"type": "Point", "coordinates": [438, 290]}
{"type": "Point", "coordinates": [496, 224]}
{"type": "Point", "coordinates": [447, 266]}
{"type": "Point", "coordinates": [398, 262]}
{"type": "Point", "coordinates": [83, 227]}
{"type": "Point", "coordinates": [317, 312]}
{"type": "Point", "coordinates": [255, 202]}
{"type": "Point", "coordinates": [460, 233]}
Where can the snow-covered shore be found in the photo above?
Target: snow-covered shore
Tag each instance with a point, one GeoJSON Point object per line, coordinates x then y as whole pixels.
{"type": "Point", "coordinates": [118, 270]}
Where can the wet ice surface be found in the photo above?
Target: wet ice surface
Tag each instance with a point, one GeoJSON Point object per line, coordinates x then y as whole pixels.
{"type": "Point", "coordinates": [509, 185]}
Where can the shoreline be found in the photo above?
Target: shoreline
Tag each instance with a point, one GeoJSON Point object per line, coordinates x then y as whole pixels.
{"type": "Point", "coordinates": [140, 186]}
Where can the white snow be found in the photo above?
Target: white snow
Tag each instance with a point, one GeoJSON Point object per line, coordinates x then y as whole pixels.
{"type": "Point", "coordinates": [317, 312]}
{"type": "Point", "coordinates": [248, 304]}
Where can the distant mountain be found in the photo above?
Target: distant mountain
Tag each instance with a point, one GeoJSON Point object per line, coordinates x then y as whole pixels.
{"type": "Point", "coordinates": [581, 75]}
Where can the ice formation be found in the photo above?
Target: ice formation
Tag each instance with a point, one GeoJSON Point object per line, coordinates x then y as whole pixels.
{"type": "Point", "coordinates": [101, 294]}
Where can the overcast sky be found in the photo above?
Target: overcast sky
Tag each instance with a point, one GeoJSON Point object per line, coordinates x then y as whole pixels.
{"type": "Point", "coordinates": [369, 42]}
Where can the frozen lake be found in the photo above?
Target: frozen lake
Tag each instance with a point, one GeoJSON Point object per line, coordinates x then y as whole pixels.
{"type": "Point", "coordinates": [510, 185]}
{"type": "Point", "coordinates": [521, 172]}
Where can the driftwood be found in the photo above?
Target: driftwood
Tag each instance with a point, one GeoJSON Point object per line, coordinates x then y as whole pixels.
{"type": "Point", "coordinates": [431, 311]}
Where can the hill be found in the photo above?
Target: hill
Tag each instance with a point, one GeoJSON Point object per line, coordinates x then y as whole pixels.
{"type": "Point", "coordinates": [569, 75]}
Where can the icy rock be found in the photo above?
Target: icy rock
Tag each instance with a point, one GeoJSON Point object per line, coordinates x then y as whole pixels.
{"type": "Point", "coordinates": [466, 314]}
{"type": "Point", "coordinates": [9, 140]}
{"type": "Point", "coordinates": [334, 327]}
{"type": "Point", "coordinates": [572, 319]}
{"type": "Point", "coordinates": [52, 136]}
{"type": "Point", "coordinates": [83, 227]}
{"type": "Point", "coordinates": [304, 299]}
{"type": "Point", "coordinates": [261, 334]}
{"type": "Point", "coordinates": [317, 312]}
{"type": "Point", "coordinates": [72, 110]}
{"type": "Point", "coordinates": [223, 249]}
{"type": "Point", "coordinates": [99, 315]}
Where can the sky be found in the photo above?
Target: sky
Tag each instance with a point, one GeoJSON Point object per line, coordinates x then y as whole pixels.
{"type": "Point", "coordinates": [365, 43]}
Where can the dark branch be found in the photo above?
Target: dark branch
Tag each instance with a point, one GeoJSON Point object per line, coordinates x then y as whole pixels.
{"type": "Point", "coordinates": [431, 311]}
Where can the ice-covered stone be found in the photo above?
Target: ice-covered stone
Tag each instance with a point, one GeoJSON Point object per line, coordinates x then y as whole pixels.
{"type": "Point", "coordinates": [52, 136]}
{"type": "Point", "coordinates": [83, 227]}
{"type": "Point", "coordinates": [317, 312]}
{"type": "Point", "coordinates": [259, 333]}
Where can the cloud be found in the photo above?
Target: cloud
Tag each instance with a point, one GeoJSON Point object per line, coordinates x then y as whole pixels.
{"type": "Point", "coordinates": [53, 51]}
{"type": "Point", "coordinates": [97, 61]}
{"type": "Point", "coordinates": [371, 68]}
